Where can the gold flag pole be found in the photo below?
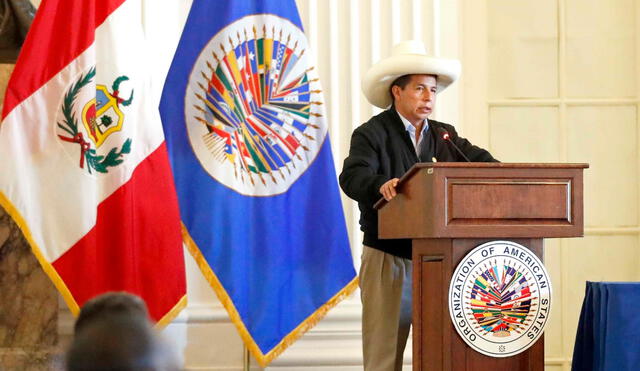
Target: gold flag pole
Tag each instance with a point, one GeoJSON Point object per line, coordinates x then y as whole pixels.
{"type": "Point", "coordinates": [247, 359]}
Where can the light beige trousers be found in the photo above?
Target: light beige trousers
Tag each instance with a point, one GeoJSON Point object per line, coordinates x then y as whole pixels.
{"type": "Point", "coordinates": [385, 286]}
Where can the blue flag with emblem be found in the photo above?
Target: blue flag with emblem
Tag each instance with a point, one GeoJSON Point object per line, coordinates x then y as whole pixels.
{"type": "Point", "coordinates": [245, 126]}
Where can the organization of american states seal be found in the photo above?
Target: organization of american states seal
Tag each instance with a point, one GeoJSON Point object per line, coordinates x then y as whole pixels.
{"type": "Point", "coordinates": [500, 298]}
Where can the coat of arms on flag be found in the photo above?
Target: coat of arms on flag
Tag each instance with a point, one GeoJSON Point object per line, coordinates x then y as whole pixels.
{"type": "Point", "coordinates": [101, 115]}
{"type": "Point", "coordinates": [244, 120]}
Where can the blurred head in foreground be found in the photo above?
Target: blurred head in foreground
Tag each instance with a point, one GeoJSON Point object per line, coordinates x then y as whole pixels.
{"type": "Point", "coordinates": [113, 332]}
{"type": "Point", "coordinates": [109, 305]}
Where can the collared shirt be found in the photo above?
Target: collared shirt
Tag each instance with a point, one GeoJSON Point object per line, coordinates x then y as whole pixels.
{"type": "Point", "coordinates": [412, 132]}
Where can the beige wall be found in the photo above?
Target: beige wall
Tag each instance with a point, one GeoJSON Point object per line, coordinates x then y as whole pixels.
{"type": "Point", "coordinates": [558, 81]}
{"type": "Point", "coordinates": [543, 81]}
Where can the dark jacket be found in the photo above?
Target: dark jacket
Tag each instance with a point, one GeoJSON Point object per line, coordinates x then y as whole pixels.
{"type": "Point", "coordinates": [381, 149]}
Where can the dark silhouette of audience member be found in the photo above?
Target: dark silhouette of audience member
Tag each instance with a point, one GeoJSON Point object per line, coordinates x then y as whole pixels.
{"type": "Point", "coordinates": [109, 305]}
{"type": "Point", "coordinates": [113, 333]}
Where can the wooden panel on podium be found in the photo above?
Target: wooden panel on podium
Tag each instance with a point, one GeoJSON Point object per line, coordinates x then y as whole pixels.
{"type": "Point", "coordinates": [448, 209]}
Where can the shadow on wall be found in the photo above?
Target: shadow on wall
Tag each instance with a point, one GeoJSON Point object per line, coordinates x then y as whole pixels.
{"type": "Point", "coordinates": [15, 19]}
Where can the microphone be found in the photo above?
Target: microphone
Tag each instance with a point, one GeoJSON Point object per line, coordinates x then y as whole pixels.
{"type": "Point", "coordinates": [445, 135]}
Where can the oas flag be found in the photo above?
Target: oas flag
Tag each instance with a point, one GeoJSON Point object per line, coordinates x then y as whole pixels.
{"type": "Point", "coordinates": [246, 130]}
{"type": "Point", "coordinates": [83, 163]}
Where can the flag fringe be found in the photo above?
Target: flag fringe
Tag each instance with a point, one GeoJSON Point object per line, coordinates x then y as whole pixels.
{"type": "Point", "coordinates": [227, 303]}
{"type": "Point", "coordinates": [311, 321]}
{"type": "Point", "coordinates": [172, 314]}
{"type": "Point", "coordinates": [53, 275]}
{"type": "Point", "coordinates": [46, 266]}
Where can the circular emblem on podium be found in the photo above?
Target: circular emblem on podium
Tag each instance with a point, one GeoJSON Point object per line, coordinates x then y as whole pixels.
{"type": "Point", "coordinates": [500, 298]}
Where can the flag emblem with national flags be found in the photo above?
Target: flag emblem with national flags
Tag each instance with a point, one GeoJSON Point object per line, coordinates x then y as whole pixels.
{"type": "Point", "coordinates": [84, 169]}
{"type": "Point", "coordinates": [250, 111]}
{"type": "Point", "coordinates": [244, 120]}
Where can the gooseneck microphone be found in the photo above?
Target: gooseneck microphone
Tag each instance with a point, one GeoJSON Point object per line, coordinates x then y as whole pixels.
{"type": "Point", "coordinates": [445, 135]}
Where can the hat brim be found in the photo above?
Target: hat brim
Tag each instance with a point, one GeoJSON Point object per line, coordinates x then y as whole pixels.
{"type": "Point", "coordinates": [376, 82]}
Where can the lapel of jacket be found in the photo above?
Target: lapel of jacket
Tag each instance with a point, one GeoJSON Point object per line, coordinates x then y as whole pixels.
{"type": "Point", "coordinates": [442, 151]}
{"type": "Point", "coordinates": [397, 128]}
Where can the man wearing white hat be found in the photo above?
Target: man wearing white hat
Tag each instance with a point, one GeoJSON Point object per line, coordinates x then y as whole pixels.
{"type": "Point", "coordinates": [382, 150]}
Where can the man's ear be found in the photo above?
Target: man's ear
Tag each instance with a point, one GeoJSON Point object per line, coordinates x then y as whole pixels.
{"type": "Point", "coordinates": [395, 91]}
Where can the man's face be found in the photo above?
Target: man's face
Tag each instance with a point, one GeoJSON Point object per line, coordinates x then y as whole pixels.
{"type": "Point", "coordinates": [415, 102]}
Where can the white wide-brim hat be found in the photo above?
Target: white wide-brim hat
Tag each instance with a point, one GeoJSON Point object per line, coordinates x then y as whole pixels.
{"type": "Point", "coordinates": [407, 58]}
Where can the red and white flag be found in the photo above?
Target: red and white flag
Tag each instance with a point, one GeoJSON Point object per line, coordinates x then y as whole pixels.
{"type": "Point", "coordinates": [83, 165]}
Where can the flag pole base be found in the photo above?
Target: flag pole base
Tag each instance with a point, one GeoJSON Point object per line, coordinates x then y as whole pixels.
{"type": "Point", "coordinates": [247, 359]}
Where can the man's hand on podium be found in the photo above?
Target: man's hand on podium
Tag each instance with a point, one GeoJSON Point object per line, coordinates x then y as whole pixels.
{"type": "Point", "coordinates": [388, 189]}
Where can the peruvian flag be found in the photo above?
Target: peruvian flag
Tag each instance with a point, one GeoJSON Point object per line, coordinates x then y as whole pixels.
{"type": "Point", "coordinates": [84, 169]}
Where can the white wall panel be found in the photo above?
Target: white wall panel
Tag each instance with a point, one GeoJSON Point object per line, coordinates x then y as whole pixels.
{"type": "Point", "coordinates": [445, 33]}
{"type": "Point", "coordinates": [523, 60]}
{"type": "Point", "coordinates": [553, 339]}
{"type": "Point", "coordinates": [601, 43]}
{"type": "Point", "coordinates": [605, 137]}
{"type": "Point", "coordinates": [524, 134]}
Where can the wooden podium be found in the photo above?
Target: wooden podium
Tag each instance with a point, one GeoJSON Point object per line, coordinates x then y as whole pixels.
{"type": "Point", "coordinates": [450, 208]}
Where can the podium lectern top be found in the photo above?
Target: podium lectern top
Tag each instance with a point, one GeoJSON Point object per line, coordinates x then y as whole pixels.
{"type": "Point", "coordinates": [476, 200]}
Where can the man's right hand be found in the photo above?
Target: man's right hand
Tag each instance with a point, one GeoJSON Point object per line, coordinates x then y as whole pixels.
{"type": "Point", "coordinates": [388, 189]}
